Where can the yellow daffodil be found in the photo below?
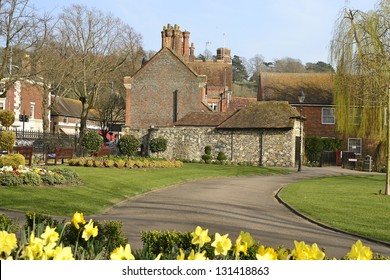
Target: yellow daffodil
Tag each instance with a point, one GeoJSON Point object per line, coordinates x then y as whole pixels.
{"type": "Point", "coordinates": [200, 236]}
{"type": "Point", "coordinates": [78, 218]}
{"type": "Point", "coordinates": [240, 247]}
{"type": "Point", "coordinates": [359, 252]}
{"type": "Point", "coordinates": [34, 249]}
{"type": "Point", "coordinates": [247, 238]}
{"type": "Point", "coordinates": [181, 255]}
{"type": "Point", "coordinates": [197, 256]}
{"type": "Point", "coordinates": [89, 230]}
{"type": "Point", "coordinates": [49, 251]}
{"type": "Point", "coordinates": [50, 235]}
{"type": "Point", "coordinates": [266, 254]}
{"type": "Point", "coordinates": [63, 253]}
{"type": "Point", "coordinates": [303, 251]}
{"type": "Point", "coordinates": [316, 253]}
{"type": "Point", "coordinates": [121, 253]}
{"type": "Point", "coordinates": [158, 257]}
{"type": "Point", "coordinates": [222, 244]}
{"type": "Point", "coordinates": [7, 242]}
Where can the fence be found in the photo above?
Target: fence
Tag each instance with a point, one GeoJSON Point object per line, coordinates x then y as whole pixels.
{"type": "Point", "coordinates": [43, 141]}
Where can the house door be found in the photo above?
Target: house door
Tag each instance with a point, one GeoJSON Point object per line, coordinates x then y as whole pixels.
{"type": "Point", "coordinates": [297, 149]}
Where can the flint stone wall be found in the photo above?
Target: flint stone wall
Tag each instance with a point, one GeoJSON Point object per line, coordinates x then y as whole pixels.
{"type": "Point", "coordinates": [268, 147]}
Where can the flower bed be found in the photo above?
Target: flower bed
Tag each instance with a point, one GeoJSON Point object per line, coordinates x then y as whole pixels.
{"type": "Point", "coordinates": [46, 239]}
{"type": "Point", "coordinates": [24, 175]}
{"type": "Point", "coordinates": [124, 162]}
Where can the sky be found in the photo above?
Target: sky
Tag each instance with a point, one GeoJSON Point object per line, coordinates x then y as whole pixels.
{"type": "Point", "coordinates": [274, 29]}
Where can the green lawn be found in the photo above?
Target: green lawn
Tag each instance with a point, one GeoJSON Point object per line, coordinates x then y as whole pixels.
{"type": "Point", "coordinates": [103, 187]}
{"type": "Point", "coordinates": [350, 203]}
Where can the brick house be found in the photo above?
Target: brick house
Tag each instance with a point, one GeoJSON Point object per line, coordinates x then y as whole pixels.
{"type": "Point", "coordinates": [65, 116]}
{"type": "Point", "coordinates": [24, 98]}
{"type": "Point", "coordinates": [317, 108]}
{"type": "Point", "coordinates": [172, 83]}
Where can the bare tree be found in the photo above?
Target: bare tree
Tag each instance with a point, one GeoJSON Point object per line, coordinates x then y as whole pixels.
{"type": "Point", "coordinates": [96, 46]}
{"type": "Point", "coordinates": [111, 108]}
{"type": "Point", "coordinates": [21, 29]}
{"type": "Point", "coordinates": [289, 65]}
{"type": "Point", "coordinates": [255, 66]}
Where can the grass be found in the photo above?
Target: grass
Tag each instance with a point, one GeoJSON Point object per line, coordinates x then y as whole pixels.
{"type": "Point", "coordinates": [350, 203]}
{"type": "Point", "coordinates": [103, 187]}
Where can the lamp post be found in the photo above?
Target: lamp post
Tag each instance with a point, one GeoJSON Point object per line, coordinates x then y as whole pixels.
{"type": "Point", "coordinates": [301, 99]}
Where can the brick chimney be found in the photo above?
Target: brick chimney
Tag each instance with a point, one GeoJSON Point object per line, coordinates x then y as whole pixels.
{"type": "Point", "coordinates": [224, 54]}
{"type": "Point", "coordinates": [172, 37]}
{"type": "Point", "coordinates": [186, 43]}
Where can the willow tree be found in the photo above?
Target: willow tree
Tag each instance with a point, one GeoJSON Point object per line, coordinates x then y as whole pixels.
{"type": "Point", "coordinates": [360, 51]}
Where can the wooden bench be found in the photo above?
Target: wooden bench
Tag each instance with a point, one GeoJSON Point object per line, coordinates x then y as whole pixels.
{"type": "Point", "coordinates": [26, 151]}
{"type": "Point", "coordinates": [102, 152]}
{"type": "Point", "coordinates": [60, 153]}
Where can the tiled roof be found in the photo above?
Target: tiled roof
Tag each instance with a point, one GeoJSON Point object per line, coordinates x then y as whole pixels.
{"type": "Point", "coordinates": [69, 107]}
{"type": "Point", "coordinates": [237, 103]}
{"type": "Point", "coordinates": [269, 114]}
{"type": "Point", "coordinates": [213, 119]}
{"type": "Point", "coordinates": [318, 87]}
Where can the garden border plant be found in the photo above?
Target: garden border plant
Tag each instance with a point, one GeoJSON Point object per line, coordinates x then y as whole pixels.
{"type": "Point", "coordinates": [43, 238]}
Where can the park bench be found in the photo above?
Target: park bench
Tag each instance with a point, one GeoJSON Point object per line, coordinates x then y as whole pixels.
{"type": "Point", "coordinates": [26, 151]}
{"type": "Point", "coordinates": [102, 152]}
{"type": "Point", "coordinates": [60, 153]}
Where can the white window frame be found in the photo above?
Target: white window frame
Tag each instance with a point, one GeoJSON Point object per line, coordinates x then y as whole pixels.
{"type": "Point", "coordinates": [32, 110]}
{"type": "Point", "coordinates": [355, 145]}
{"type": "Point", "coordinates": [329, 117]}
{"type": "Point", "coordinates": [2, 105]}
{"type": "Point", "coordinates": [214, 106]}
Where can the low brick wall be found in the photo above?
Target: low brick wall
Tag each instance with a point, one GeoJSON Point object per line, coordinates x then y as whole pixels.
{"type": "Point", "coordinates": [268, 147]}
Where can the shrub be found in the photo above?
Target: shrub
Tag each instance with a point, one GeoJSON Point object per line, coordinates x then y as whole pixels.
{"type": "Point", "coordinates": [109, 163]}
{"type": "Point", "coordinates": [69, 175]}
{"type": "Point", "coordinates": [53, 178]}
{"type": "Point", "coordinates": [207, 150]}
{"type": "Point", "coordinates": [13, 160]}
{"type": "Point", "coordinates": [128, 145]}
{"type": "Point", "coordinates": [31, 178]}
{"type": "Point", "coordinates": [89, 163]}
{"type": "Point", "coordinates": [11, 179]}
{"type": "Point", "coordinates": [92, 141]}
{"type": "Point", "coordinates": [207, 158]}
{"type": "Point", "coordinates": [314, 147]}
{"type": "Point", "coordinates": [120, 163]}
{"type": "Point", "coordinates": [221, 156]}
{"type": "Point", "coordinates": [158, 145]}
{"type": "Point", "coordinates": [7, 140]}
{"type": "Point", "coordinates": [7, 118]}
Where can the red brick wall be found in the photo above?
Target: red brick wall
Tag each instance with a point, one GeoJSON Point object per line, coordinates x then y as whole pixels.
{"type": "Point", "coordinates": [313, 124]}
{"type": "Point", "coordinates": [163, 91]}
{"type": "Point", "coordinates": [31, 93]}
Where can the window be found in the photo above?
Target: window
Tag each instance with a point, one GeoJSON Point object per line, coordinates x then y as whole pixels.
{"type": "Point", "coordinates": [32, 109]}
{"type": "Point", "coordinates": [355, 145]}
{"type": "Point", "coordinates": [66, 119]}
{"type": "Point", "coordinates": [213, 106]}
{"type": "Point", "coordinates": [328, 116]}
{"type": "Point", "coordinates": [2, 106]}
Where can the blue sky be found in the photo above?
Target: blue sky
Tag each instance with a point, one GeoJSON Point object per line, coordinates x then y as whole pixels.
{"type": "Point", "coordinates": [300, 29]}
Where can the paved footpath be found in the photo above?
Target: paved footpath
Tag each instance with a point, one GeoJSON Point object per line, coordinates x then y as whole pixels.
{"type": "Point", "coordinates": [229, 205]}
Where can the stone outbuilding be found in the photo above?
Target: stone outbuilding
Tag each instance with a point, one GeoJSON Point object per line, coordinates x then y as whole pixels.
{"type": "Point", "coordinates": [263, 133]}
